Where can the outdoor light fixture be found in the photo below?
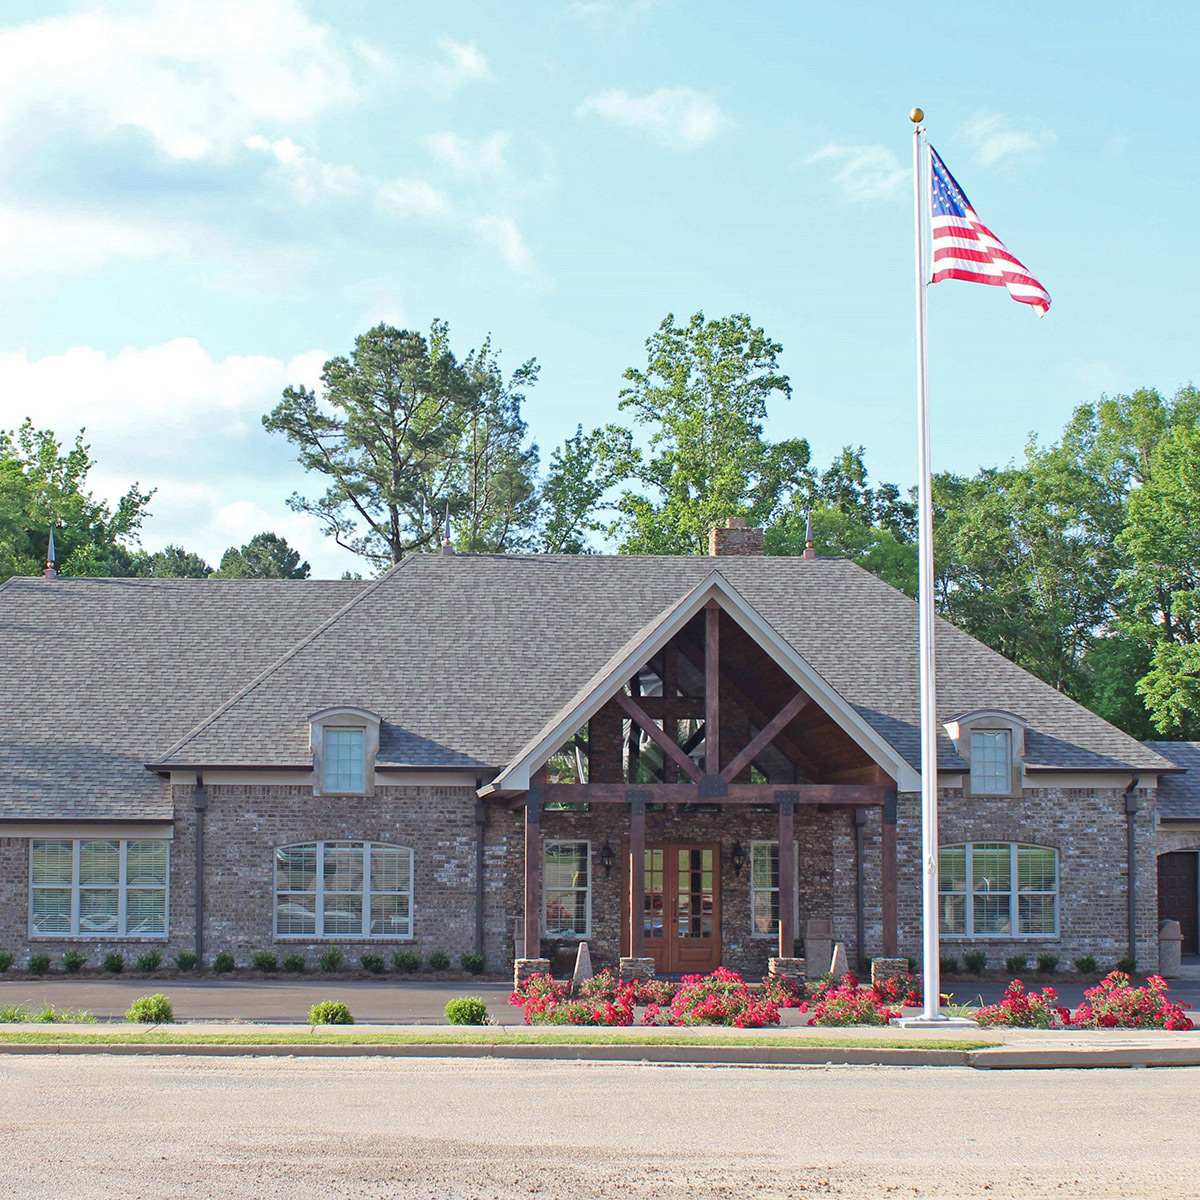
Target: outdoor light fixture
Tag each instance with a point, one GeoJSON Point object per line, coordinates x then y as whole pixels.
{"type": "Point", "coordinates": [607, 858]}
{"type": "Point", "coordinates": [737, 856]}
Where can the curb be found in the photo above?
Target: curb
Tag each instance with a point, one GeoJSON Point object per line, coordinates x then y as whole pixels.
{"type": "Point", "coordinates": [1007, 1059]}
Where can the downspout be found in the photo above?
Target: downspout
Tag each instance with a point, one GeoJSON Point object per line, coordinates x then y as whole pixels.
{"type": "Point", "coordinates": [200, 804]}
{"type": "Point", "coordinates": [480, 821]}
{"type": "Point", "coordinates": [860, 884]}
{"type": "Point", "coordinates": [1132, 807]}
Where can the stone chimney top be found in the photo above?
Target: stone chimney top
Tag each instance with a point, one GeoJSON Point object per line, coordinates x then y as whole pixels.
{"type": "Point", "coordinates": [735, 540]}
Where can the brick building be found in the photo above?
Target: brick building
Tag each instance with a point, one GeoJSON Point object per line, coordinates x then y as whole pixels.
{"type": "Point", "coordinates": [470, 753]}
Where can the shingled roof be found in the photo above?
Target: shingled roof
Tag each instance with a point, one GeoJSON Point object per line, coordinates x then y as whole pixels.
{"type": "Point", "coordinates": [1179, 795]}
{"type": "Point", "coordinates": [466, 657]}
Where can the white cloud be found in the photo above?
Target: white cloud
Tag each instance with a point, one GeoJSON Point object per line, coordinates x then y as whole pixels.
{"type": "Point", "coordinates": [502, 235]}
{"type": "Point", "coordinates": [464, 64]}
{"type": "Point", "coordinates": [412, 198]}
{"type": "Point", "coordinates": [993, 138]}
{"type": "Point", "coordinates": [197, 79]}
{"type": "Point", "coordinates": [865, 172]}
{"type": "Point", "coordinates": [678, 116]}
{"type": "Point", "coordinates": [612, 16]}
{"type": "Point", "coordinates": [483, 156]}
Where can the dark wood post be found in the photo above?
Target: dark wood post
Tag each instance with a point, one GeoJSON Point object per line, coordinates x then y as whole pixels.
{"type": "Point", "coordinates": [637, 874]}
{"type": "Point", "coordinates": [887, 877]}
{"type": "Point", "coordinates": [787, 880]}
{"type": "Point", "coordinates": [533, 865]}
{"type": "Point", "coordinates": [712, 688]}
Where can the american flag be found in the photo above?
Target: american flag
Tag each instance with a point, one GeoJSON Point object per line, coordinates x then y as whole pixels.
{"type": "Point", "coordinates": [965, 248]}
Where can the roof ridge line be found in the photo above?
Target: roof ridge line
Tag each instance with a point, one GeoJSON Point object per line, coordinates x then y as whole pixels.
{"type": "Point", "coordinates": [264, 674]}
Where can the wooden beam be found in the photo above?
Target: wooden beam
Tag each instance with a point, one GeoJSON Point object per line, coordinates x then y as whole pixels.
{"type": "Point", "coordinates": [765, 736]}
{"type": "Point", "coordinates": [534, 799]}
{"type": "Point", "coordinates": [850, 794]}
{"type": "Point", "coordinates": [712, 688]}
{"type": "Point", "coordinates": [637, 872]}
{"type": "Point", "coordinates": [887, 877]}
{"type": "Point", "coordinates": [682, 706]}
{"type": "Point", "coordinates": [669, 746]}
{"type": "Point", "coordinates": [787, 880]}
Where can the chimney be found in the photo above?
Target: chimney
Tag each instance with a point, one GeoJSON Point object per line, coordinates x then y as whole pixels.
{"type": "Point", "coordinates": [735, 540]}
{"type": "Point", "coordinates": [809, 552]}
{"type": "Point", "coordinates": [50, 572]}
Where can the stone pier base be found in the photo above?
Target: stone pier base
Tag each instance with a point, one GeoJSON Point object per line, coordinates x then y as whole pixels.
{"type": "Point", "coordinates": [525, 968]}
{"type": "Point", "coordinates": [636, 968]}
{"type": "Point", "coordinates": [888, 968]}
{"type": "Point", "coordinates": [786, 968]}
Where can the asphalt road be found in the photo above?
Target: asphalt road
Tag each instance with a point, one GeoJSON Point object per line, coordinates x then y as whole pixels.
{"type": "Point", "coordinates": [103, 1128]}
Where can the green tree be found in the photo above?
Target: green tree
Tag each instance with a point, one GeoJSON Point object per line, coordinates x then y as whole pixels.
{"type": "Point", "coordinates": [44, 486]}
{"type": "Point", "coordinates": [172, 562]}
{"type": "Point", "coordinates": [582, 472]}
{"type": "Point", "coordinates": [703, 396]}
{"type": "Point", "coordinates": [264, 556]}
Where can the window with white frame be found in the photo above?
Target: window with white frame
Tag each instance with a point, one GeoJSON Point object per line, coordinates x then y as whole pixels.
{"type": "Point", "coordinates": [764, 888]}
{"type": "Point", "coordinates": [991, 762]}
{"type": "Point", "coordinates": [344, 751]}
{"type": "Point", "coordinates": [343, 889]}
{"type": "Point", "coordinates": [567, 889]}
{"type": "Point", "coordinates": [998, 889]}
{"type": "Point", "coordinates": [98, 887]}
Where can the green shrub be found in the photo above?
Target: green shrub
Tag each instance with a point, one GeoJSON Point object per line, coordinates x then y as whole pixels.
{"type": "Point", "coordinates": [294, 962]}
{"type": "Point", "coordinates": [46, 1015]}
{"type": "Point", "coordinates": [439, 960]}
{"type": "Point", "coordinates": [330, 960]}
{"type": "Point", "coordinates": [976, 961]}
{"type": "Point", "coordinates": [148, 962]}
{"type": "Point", "coordinates": [223, 962]}
{"type": "Point", "coordinates": [1016, 963]}
{"type": "Point", "coordinates": [406, 961]}
{"type": "Point", "coordinates": [6, 960]}
{"type": "Point", "coordinates": [1047, 963]}
{"type": "Point", "coordinates": [374, 963]}
{"type": "Point", "coordinates": [264, 960]}
{"type": "Point", "coordinates": [471, 963]}
{"type": "Point", "coordinates": [467, 1010]}
{"type": "Point", "coordinates": [949, 965]}
{"type": "Point", "coordinates": [185, 960]}
{"type": "Point", "coordinates": [912, 965]}
{"type": "Point", "coordinates": [151, 1010]}
{"type": "Point", "coordinates": [1126, 965]}
{"type": "Point", "coordinates": [114, 962]}
{"type": "Point", "coordinates": [1086, 964]}
{"type": "Point", "coordinates": [73, 960]}
{"type": "Point", "coordinates": [39, 964]}
{"type": "Point", "coordinates": [330, 1012]}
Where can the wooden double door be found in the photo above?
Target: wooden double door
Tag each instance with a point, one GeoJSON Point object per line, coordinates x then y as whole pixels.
{"type": "Point", "coordinates": [1178, 880]}
{"type": "Point", "coordinates": [681, 921]}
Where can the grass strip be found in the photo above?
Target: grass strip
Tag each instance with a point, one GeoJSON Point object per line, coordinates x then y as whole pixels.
{"type": "Point", "coordinates": [480, 1037]}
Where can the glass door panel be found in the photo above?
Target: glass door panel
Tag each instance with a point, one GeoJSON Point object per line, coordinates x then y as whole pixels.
{"type": "Point", "coordinates": [656, 893]}
{"type": "Point", "coordinates": [695, 893]}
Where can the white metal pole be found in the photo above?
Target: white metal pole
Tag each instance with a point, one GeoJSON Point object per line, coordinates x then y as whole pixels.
{"type": "Point", "coordinates": [929, 746]}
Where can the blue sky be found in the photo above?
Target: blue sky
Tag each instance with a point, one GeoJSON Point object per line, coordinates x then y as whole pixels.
{"type": "Point", "coordinates": [203, 201]}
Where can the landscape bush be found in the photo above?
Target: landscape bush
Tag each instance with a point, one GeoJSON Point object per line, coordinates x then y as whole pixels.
{"type": "Point", "coordinates": [1125, 965]}
{"type": "Point", "coordinates": [6, 960]}
{"type": "Point", "coordinates": [113, 962]}
{"type": "Point", "coordinates": [784, 992]}
{"type": "Point", "coordinates": [976, 961]}
{"type": "Point", "coordinates": [330, 960]}
{"type": "Point", "coordinates": [148, 962]}
{"type": "Point", "coordinates": [607, 985]}
{"type": "Point", "coordinates": [467, 1010]}
{"type": "Point", "coordinates": [264, 960]}
{"type": "Point", "coordinates": [1047, 963]}
{"type": "Point", "coordinates": [720, 998]}
{"type": "Point", "coordinates": [1024, 1010]}
{"type": "Point", "coordinates": [330, 1012]}
{"type": "Point", "coordinates": [185, 960]}
{"type": "Point", "coordinates": [374, 963]}
{"type": "Point", "coordinates": [73, 960]}
{"type": "Point", "coordinates": [39, 964]}
{"type": "Point", "coordinates": [949, 966]}
{"type": "Point", "coordinates": [1016, 963]}
{"type": "Point", "coordinates": [151, 1010]}
{"type": "Point", "coordinates": [406, 961]}
{"type": "Point", "coordinates": [1086, 964]}
{"type": "Point", "coordinates": [846, 1003]}
{"type": "Point", "coordinates": [294, 962]}
{"type": "Point", "coordinates": [223, 963]}
{"type": "Point", "coordinates": [46, 1015]}
{"type": "Point", "coordinates": [471, 962]}
{"type": "Point", "coordinates": [439, 960]}
{"type": "Point", "coordinates": [1114, 1004]}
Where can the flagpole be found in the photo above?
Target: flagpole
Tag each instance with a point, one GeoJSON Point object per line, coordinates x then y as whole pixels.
{"type": "Point", "coordinates": [929, 747]}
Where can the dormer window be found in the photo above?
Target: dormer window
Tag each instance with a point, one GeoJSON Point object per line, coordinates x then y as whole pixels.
{"type": "Point", "coordinates": [993, 744]}
{"type": "Point", "coordinates": [345, 742]}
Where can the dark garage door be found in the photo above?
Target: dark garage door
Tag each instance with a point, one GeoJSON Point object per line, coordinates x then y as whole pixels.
{"type": "Point", "coordinates": [1177, 879]}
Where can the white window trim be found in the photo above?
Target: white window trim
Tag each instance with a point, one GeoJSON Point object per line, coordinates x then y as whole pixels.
{"type": "Point", "coordinates": [122, 894]}
{"type": "Point", "coordinates": [972, 781]}
{"type": "Point", "coordinates": [574, 936]}
{"type": "Point", "coordinates": [318, 892]}
{"type": "Point", "coordinates": [774, 936]}
{"type": "Point", "coordinates": [1014, 893]}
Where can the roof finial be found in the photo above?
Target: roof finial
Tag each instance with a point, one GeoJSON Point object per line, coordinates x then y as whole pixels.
{"type": "Point", "coordinates": [809, 552]}
{"type": "Point", "coordinates": [447, 544]}
{"type": "Point", "coordinates": [50, 572]}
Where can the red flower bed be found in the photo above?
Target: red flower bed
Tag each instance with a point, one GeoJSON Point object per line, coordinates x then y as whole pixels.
{"type": "Point", "coordinates": [606, 985]}
{"type": "Point", "coordinates": [547, 1002]}
{"type": "Point", "coordinates": [722, 998]}
{"type": "Point", "coordinates": [1114, 1004]}
{"type": "Point", "coordinates": [1025, 1010]}
{"type": "Point", "coordinates": [846, 1003]}
{"type": "Point", "coordinates": [785, 993]}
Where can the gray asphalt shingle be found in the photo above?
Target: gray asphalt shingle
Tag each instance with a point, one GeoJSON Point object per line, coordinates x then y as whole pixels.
{"type": "Point", "coordinates": [1179, 795]}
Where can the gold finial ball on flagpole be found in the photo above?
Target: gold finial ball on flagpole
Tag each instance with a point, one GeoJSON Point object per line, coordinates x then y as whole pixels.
{"type": "Point", "coordinates": [916, 116]}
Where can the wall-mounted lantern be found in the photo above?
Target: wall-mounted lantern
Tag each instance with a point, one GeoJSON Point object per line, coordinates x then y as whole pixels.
{"type": "Point", "coordinates": [737, 857]}
{"type": "Point", "coordinates": [607, 858]}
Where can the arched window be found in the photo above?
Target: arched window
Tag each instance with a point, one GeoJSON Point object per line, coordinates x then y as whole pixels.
{"type": "Point", "coordinates": [998, 890]}
{"type": "Point", "coordinates": [343, 890]}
